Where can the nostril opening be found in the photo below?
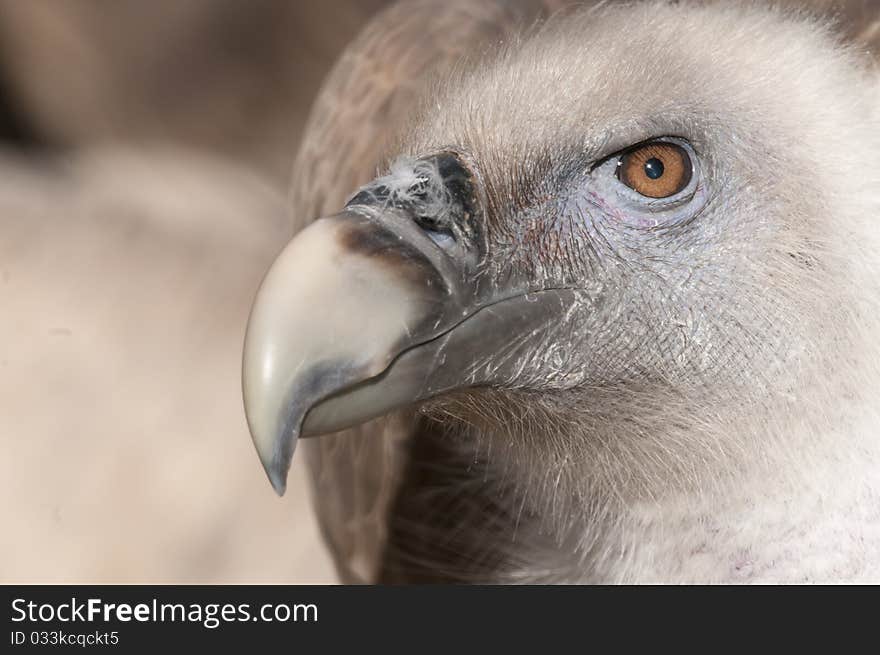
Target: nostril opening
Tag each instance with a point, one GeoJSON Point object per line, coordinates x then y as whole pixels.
{"type": "Point", "coordinates": [442, 239]}
{"type": "Point", "coordinates": [436, 192]}
{"type": "Point", "coordinates": [439, 231]}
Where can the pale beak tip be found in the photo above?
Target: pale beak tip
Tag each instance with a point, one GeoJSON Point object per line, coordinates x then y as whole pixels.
{"type": "Point", "coordinates": [278, 479]}
{"type": "Point", "coordinates": [275, 455]}
{"type": "Point", "coordinates": [276, 466]}
{"type": "Point", "coordinates": [276, 471]}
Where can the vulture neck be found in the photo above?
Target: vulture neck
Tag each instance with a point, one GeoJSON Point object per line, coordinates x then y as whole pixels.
{"type": "Point", "coordinates": [787, 504]}
{"type": "Point", "coordinates": [812, 518]}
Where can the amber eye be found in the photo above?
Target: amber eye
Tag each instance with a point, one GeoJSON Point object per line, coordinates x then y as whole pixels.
{"type": "Point", "coordinates": [656, 170]}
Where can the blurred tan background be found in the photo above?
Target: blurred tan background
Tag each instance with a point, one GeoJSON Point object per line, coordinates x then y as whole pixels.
{"type": "Point", "coordinates": [145, 153]}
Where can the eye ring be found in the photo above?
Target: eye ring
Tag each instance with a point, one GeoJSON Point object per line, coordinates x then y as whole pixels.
{"type": "Point", "coordinates": [656, 169]}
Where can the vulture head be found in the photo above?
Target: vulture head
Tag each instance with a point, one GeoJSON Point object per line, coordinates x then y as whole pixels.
{"type": "Point", "coordinates": [624, 261]}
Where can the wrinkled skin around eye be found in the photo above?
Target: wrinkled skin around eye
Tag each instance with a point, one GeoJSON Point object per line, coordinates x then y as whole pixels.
{"type": "Point", "coordinates": [613, 246]}
{"type": "Point", "coordinates": [601, 191]}
{"type": "Point", "coordinates": [587, 215]}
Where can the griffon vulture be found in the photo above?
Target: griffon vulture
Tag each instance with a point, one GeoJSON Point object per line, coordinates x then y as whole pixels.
{"type": "Point", "coordinates": [606, 312]}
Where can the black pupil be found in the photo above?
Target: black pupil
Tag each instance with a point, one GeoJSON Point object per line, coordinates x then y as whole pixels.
{"type": "Point", "coordinates": [654, 168]}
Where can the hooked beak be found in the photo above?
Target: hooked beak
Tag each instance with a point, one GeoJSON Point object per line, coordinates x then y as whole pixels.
{"type": "Point", "coordinates": [376, 308]}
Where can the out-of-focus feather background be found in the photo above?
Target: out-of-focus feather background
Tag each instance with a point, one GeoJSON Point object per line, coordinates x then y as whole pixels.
{"type": "Point", "coordinates": [145, 154]}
